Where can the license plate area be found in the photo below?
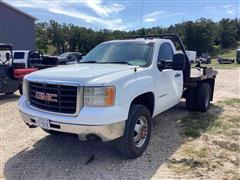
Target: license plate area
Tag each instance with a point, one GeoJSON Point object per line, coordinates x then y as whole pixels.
{"type": "Point", "coordinates": [43, 123]}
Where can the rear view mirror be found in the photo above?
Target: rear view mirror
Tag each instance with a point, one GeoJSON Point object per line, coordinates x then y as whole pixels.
{"type": "Point", "coordinates": [178, 61]}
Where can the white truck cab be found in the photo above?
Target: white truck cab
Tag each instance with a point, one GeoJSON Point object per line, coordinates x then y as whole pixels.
{"type": "Point", "coordinates": [25, 58]}
{"type": "Point", "coordinates": [21, 57]}
{"type": "Point", "coordinates": [112, 94]}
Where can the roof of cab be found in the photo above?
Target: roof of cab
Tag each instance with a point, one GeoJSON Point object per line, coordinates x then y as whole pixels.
{"type": "Point", "coordinates": [143, 40]}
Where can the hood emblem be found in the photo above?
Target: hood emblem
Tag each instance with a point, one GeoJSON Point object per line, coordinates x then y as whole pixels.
{"type": "Point", "coordinates": [46, 97]}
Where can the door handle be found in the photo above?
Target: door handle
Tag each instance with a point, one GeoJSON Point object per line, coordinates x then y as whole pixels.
{"type": "Point", "coordinates": [177, 75]}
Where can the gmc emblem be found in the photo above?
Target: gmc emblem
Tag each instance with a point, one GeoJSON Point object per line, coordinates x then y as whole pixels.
{"type": "Point", "coordinates": [46, 97]}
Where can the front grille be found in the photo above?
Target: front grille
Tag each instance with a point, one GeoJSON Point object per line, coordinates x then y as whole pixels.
{"type": "Point", "coordinates": [64, 97]}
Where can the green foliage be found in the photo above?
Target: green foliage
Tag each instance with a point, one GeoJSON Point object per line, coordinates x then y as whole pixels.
{"type": "Point", "coordinates": [228, 32]}
{"type": "Point", "coordinates": [203, 35]}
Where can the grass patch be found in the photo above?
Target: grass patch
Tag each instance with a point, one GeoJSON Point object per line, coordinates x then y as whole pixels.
{"type": "Point", "coordinates": [231, 53]}
{"type": "Point", "coordinates": [232, 101]}
{"type": "Point", "coordinates": [184, 165]}
{"type": "Point", "coordinates": [217, 149]}
{"type": "Point", "coordinates": [216, 65]}
{"type": "Point", "coordinates": [195, 123]}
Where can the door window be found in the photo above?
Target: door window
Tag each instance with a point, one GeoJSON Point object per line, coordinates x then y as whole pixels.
{"type": "Point", "coordinates": [165, 52]}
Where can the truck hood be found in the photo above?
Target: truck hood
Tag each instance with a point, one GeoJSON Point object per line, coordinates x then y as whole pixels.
{"type": "Point", "coordinates": [84, 74]}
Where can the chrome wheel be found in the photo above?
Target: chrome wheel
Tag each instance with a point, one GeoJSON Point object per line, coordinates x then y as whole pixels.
{"type": "Point", "coordinates": [140, 131]}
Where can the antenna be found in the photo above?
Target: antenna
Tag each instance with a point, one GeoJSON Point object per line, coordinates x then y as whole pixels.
{"type": "Point", "coordinates": [141, 14]}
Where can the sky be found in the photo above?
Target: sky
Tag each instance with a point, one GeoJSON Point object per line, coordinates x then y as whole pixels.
{"type": "Point", "coordinates": [127, 14]}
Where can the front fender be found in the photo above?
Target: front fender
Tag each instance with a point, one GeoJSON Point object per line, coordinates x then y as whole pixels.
{"type": "Point", "coordinates": [130, 87]}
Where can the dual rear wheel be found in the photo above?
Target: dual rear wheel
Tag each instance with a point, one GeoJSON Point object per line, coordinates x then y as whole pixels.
{"type": "Point", "coordinates": [198, 99]}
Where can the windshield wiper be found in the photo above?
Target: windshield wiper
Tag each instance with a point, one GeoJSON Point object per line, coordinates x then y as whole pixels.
{"type": "Point", "coordinates": [118, 62]}
{"type": "Point", "coordinates": [88, 62]}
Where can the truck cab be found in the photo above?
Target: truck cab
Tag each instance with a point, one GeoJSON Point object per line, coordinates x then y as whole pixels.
{"type": "Point", "coordinates": [115, 91]}
{"type": "Point", "coordinates": [27, 58]}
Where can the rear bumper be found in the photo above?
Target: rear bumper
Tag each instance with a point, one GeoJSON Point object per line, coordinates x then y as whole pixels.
{"type": "Point", "coordinates": [104, 132]}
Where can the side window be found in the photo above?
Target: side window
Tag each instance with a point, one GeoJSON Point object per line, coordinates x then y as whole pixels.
{"type": "Point", "coordinates": [71, 57]}
{"type": "Point", "coordinates": [165, 52]}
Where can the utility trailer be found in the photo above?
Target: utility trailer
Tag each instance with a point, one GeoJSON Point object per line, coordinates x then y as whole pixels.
{"type": "Point", "coordinates": [225, 60]}
{"type": "Point", "coordinates": [238, 56]}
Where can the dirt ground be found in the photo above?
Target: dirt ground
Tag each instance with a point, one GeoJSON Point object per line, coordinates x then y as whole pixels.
{"type": "Point", "coordinates": [33, 154]}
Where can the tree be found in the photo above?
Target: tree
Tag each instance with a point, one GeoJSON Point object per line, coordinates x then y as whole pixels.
{"type": "Point", "coordinates": [202, 35]}
{"type": "Point", "coordinates": [228, 33]}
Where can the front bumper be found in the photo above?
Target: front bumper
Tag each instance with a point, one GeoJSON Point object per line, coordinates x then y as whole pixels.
{"type": "Point", "coordinates": [104, 132]}
{"type": "Point", "coordinates": [99, 123]}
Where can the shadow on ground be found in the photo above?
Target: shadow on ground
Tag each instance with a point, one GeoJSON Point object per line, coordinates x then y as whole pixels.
{"type": "Point", "coordinates": [8, 98]}
{"type": "Point", "coordinates": [65, 157]}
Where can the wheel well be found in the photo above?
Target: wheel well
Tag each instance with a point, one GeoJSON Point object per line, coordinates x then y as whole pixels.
{"type": "Point", "coordinates": [146, 99]}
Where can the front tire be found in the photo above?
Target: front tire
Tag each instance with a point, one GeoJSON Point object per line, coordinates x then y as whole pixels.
{"type": "Point", "coordinates": [137, 132]}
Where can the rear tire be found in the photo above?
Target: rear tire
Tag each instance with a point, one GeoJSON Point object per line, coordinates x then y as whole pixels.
{"type": "Point", "coordinates": [203, 97]}
{"type": "Point", "coordinates": [137, 132]}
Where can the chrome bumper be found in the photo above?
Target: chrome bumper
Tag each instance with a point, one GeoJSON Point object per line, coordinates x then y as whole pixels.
{"type": "Point", "coordinates": [105, 132]}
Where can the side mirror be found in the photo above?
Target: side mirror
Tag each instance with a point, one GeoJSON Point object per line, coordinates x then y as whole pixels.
{"type": "Point", "coordinates": [8, 56]}
{"type": "Point", "coordinates": [178, 62]}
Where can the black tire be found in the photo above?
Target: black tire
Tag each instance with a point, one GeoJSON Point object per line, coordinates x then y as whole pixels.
{"type": "Point", "coordinates": [191, 99]}
{"type": "Point", "coordinates": [62, 63]}
{"type": "Point", "coordinates": [203, 97]}
{"type": "Point", "coordinates": [126, 145]}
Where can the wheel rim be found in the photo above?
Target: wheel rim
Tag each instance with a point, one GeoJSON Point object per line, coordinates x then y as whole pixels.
{"type": "Point", "coordinates": [140, 131]}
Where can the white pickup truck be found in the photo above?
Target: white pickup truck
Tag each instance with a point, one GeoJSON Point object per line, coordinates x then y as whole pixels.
{"type": "Point", "coordinates": [115, 91]}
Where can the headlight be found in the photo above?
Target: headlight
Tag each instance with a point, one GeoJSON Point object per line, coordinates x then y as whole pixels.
{"type": "Point", "coordinates": [99, 96]}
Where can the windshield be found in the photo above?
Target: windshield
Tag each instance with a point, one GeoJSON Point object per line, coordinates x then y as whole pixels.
{"type": "Point", "coordinates": [132, 53]}
{"type": "Point", "coordinates": [18, 55]}
{"type": "Point", "coordinates": [64, 54]}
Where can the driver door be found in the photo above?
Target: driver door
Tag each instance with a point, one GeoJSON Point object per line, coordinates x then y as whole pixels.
{"type": "Point", "coordinates": [169, 83]}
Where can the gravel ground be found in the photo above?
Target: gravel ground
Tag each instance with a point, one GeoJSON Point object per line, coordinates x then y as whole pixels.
{"type": "Point", "coordinates": [33, 154]}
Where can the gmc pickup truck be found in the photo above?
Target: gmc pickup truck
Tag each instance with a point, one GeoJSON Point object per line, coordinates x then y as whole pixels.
{"type": "Point", "coordinates": [115, 91]}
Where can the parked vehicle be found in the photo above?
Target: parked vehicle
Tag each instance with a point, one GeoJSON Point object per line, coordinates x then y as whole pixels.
{"type": "Point", "coordinates": [222, 60]}
{"type": "Point", "coordinates": [11, 76]}
{"type": "Point", "coordinates": [238, 56]}
{"type": "Point", "coordinates": [192, 55]}
{"type": "Point", "coordinates": [115, 91]}
{"type": "Point", "coordinates": [69, 58]}
{"type": "Point", "coordinates": [33, 58]}
{"type": "Point", "coordinates": [204, 59]}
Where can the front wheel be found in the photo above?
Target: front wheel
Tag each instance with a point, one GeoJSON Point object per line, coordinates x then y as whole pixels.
{"type": "Point", "coordinates": [137, 132]}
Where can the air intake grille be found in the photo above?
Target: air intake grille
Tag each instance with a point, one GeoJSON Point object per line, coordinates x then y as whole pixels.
{"type": "Point", "coordinates": [53, 98]}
